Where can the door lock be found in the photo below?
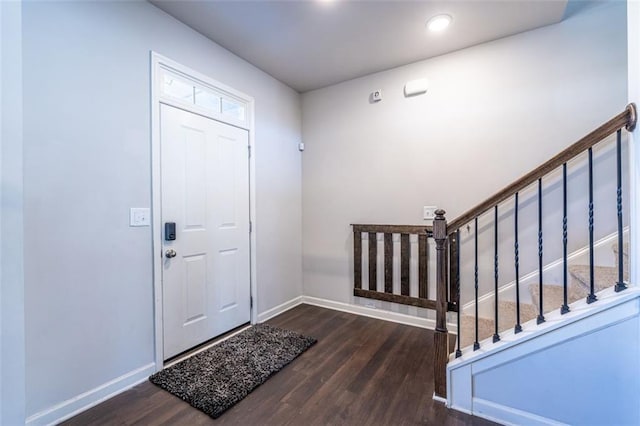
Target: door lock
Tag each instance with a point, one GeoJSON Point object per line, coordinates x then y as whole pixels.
{"type": "Point", "coordinates": [170, 231]}
{"type": "Point", "coordinates": [170, 253]}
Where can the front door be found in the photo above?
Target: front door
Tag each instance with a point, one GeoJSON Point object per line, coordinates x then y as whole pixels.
{"type": "Point", "coordinates": [205, 193]}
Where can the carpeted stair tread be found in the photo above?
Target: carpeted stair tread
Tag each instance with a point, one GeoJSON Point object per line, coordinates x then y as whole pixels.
{"type": "Point", "coordinates": [604, 276]}
{"type": "Point", "coordinates": [467, 324]}
{"type": "Point", "coordinates": [625, 258]}
{"type": "Point", "coordinates": [486, 326]}
{"type": "Point", "coordinates": [625, 248]}
{"type": "Point", "coordinates": [553, 296]}
{"type": "Point", "coordinates": [507, 314]}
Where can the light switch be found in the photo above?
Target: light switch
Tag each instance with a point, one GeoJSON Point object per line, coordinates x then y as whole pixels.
{"type": "Point", "coordinates": [139, 216]}
{"type": "Point", "coordinates": [429, 212]}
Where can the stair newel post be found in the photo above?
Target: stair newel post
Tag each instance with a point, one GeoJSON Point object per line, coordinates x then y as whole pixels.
{"type": "Point", "coordinates": [441, 337]}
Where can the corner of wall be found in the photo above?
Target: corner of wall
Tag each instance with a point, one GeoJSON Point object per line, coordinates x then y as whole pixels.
{"type": "Point", "coordinates": [12, 380]}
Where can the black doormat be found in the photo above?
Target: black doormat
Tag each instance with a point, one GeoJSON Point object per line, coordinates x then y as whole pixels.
{"type": "Point", "coordinates": [214, 380]}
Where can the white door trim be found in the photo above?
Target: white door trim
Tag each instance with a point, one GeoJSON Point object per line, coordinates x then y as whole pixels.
{"type": "Point", "coordinates": [158, 64]}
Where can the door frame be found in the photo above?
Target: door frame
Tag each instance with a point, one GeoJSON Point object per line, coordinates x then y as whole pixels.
{"type": "Point", "coordinates": [159, 65]}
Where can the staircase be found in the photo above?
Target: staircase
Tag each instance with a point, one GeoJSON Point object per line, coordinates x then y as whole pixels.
{"type": "Point", "coordinates": [553, 299]}
{"type": "Point", "coordinates": [579, 282]}
{"type": "Point", "coordinates": [524, 352]}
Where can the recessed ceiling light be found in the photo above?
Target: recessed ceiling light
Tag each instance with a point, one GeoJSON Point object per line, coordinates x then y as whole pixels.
{"type": "Point", "coordinates": [438, 23]}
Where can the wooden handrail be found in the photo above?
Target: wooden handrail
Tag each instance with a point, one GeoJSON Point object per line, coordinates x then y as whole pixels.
{"type": "Point", "coordinates": [626, 119]}
{"type": "Point", "coordinates": [393, 229]}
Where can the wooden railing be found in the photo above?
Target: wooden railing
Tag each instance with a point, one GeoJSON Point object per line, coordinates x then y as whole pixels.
{"type": "Point", "coordinates": [447, 235]}
{"type": "Point", "coordinates": [421, 299]}
{"type": "Point", "coordinates": [626, 119]}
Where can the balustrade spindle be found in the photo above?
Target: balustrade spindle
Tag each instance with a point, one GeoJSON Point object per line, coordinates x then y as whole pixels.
{"type": "Point", "coordinates": [496, 336]}
{"type": "Point", "coordinates": [405, 254]}
{"type": "Point", "coordinates": [518, 327]}
{"type": "Point", "coordinates": [454, 270]}
{"type": "Point", "coordinates": [388, 262]}
{"type": "Point", "coordinates": [592, 296]}
{"type": "Point", "coordinates": [476, 344]}
{"type": "Point", "coordinates": [565, 306]}
{"type": "Point", "coordinates": [457, 242]}
{"type": "Point", "coordinates": [620, 285]}
{"type": "Point", "coordinates": [373, 261]}
{"type": "Point", "coordinates": [357, 259]}
{"type": "Point", "coordinates": [423, 266]}
{"type": "Point", "coordinates": [540, 318]}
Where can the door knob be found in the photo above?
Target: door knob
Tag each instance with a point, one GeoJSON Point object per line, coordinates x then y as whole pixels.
{"type": "Point", "coordinates": [170, 253]}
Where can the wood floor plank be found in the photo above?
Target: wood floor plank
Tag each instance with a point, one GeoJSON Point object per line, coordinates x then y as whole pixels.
{"type": "Point", "coordinates": [362, 371]}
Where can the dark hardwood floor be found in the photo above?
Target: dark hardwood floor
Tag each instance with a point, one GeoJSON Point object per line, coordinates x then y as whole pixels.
{"type": "Point", "coordinates": [362, 371]}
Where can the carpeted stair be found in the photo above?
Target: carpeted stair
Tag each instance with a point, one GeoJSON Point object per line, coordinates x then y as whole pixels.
{"type": "Point", "coordinates": [578, 288]}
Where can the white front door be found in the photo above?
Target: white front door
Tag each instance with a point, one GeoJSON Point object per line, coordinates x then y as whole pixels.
{"type": "Point", "coordinates": [205, 192]}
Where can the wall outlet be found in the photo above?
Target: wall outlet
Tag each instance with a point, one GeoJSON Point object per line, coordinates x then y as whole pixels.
{"type": "Point", "coordinates": [370, 304]}
{"type": "Point", "coordinates": [429, 212]}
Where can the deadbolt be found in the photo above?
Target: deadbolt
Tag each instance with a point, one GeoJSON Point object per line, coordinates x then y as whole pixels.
{"type": "Point", "coordinates": [170, 253]}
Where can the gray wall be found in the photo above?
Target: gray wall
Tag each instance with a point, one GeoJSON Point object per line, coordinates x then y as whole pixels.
{"type": "Point", "coordinates": [492, 113]}
{"type": "Point", "coordinates": [12, 343]}
{"type": "Point", "coordinates": [88, 275]}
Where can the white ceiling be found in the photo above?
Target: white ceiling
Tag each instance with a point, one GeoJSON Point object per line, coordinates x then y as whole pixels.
{"type": "Point", "coordinates": [316, 43]}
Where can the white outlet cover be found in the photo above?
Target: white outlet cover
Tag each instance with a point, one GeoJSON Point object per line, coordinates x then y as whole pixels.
{"type": "Point", "coordinates": [429, 212]}
{"type": "Point", "coordinates": [139, 216]}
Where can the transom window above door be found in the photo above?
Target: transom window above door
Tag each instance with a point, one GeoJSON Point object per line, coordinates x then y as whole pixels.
{"type": "Point", "coordinates": [210, 101]}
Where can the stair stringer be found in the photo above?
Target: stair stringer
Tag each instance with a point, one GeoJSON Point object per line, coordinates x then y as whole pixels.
{"type": "Point", "coordinates": [577, 368]}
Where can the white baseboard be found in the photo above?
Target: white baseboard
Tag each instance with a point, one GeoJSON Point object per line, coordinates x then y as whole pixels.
{"type": "Point", "coordinates": [277, 310]}
{"type": "Point", "coordinates": [440, 399]}
{"type": "Point", "coordinates": [354, 309]}
{"type": "Point", "coordinates": [86, 400]}
{"type": "Point", "coordinates": [507, 415]}
{"type": "Point", "coordinates": [376, 313]}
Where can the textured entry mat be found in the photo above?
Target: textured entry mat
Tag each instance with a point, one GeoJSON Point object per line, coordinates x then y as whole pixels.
{"type": "Point", "coordinates": [214, 380]}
